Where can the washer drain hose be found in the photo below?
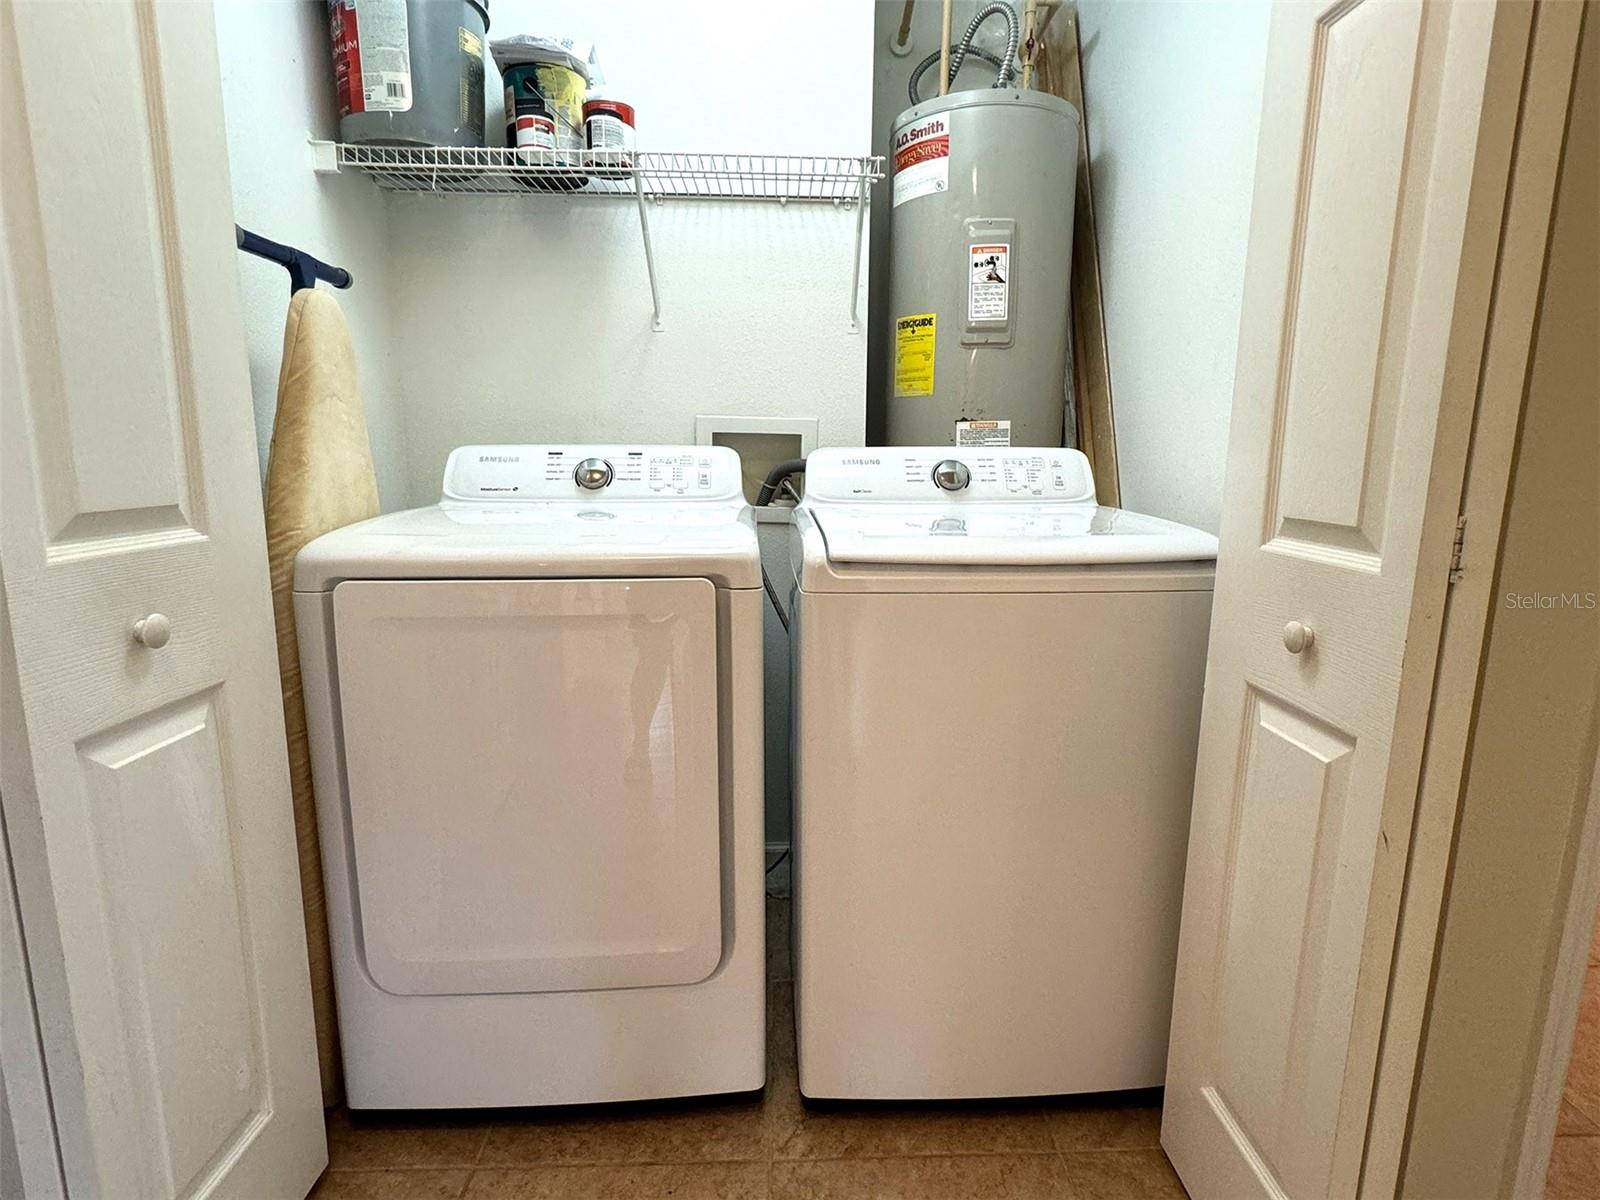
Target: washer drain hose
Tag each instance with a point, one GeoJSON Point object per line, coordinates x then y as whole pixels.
{"type": "Point", "coordinates": [769, 488]}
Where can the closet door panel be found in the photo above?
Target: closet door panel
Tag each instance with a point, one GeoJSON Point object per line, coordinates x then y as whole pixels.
{"type": "Point", "coordinates": [145, 787]}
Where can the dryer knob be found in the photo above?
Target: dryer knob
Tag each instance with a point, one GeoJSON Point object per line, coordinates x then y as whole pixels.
{"type": "Point", "coordinates": [592, 474]}
{"type": "Point", "coordinates": [951, 476]}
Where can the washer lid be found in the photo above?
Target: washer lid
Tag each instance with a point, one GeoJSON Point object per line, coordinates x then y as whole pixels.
{"type": "Point", "coordinates": [962, 506]}
{"type": "Point", "coordinates": [1007, 535]}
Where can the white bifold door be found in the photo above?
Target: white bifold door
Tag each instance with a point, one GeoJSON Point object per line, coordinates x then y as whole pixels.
{"type": "Point", "coordinates": [1365, 281]}
{"type": "Point", "coordinates": [144, 776]}
{"type": "Point", "coordinates": [533, 781]}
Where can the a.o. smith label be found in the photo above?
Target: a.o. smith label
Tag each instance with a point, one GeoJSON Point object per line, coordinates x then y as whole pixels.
{"type": "Point", "coordinates": [921, 159]}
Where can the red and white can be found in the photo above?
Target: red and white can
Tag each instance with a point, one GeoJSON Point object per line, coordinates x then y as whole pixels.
{"type": "Point", "coordinates": [532, 126]}
{"type": "Point", "coordinates": [608, 133]}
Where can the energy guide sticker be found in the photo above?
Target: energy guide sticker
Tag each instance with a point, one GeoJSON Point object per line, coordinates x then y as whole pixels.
{"type": "Point", "coordinates": [915, 339]}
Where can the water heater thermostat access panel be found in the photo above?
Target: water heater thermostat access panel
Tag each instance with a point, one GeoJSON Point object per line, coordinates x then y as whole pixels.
{"type": "Point", "coordinates": [482, 473]}
{"type": "Point", "coordinates": [902, 475]}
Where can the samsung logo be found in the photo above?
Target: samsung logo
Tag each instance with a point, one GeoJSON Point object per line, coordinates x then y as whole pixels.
{"type": "Point", "coordinates": [499, 458]}
{"type": "Point", "coordinates": [862, 462]}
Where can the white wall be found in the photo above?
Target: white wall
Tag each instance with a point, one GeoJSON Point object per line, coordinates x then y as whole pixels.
{"type": "Point", "coordinates": [276, 89]}
{"type": "Point", "coordinates": [1173, 92]}
{"type": "Point", "coordinates": [528, 319]}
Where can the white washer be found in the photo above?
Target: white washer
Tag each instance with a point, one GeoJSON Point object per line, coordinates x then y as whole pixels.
{"type": "Point", "coordinates": [536, 733]}
{"type": "Point", "coordinates": [997, 705]}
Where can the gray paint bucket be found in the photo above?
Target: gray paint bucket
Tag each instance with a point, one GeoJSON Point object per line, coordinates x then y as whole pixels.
{"type": "Point", "coordinates": [409, 72]}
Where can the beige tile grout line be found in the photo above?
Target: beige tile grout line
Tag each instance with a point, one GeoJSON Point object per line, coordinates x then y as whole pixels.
{"type": "Point", "coordinates": [712, 1162]}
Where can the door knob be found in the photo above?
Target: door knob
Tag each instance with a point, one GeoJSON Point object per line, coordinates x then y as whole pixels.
{"type": "Point", "coordinates": [1298, 637]}
{"type": "Point", "coordinates": [154, 631]}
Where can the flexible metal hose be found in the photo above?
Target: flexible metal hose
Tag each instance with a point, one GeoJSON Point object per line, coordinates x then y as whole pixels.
{"type": "Point", "coordinates": [965, 47]}
{"type": "Point", "coordinates": [932, 61]}
{"type": "Point", "coordinates": [1013, 39]}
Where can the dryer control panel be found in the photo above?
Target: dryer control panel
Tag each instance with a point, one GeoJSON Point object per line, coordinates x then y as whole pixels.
{"type": "Point", "coordinates": [576, 472]}
{"type": "Point", "coordinates": [902, 475]}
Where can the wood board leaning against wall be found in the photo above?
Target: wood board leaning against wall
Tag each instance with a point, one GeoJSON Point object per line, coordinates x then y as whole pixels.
{"type": "Point", "coordinates": [1057, 67]}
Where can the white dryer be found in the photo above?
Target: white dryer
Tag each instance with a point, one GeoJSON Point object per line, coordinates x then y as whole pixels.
{"type": "Point", "coordinates": [536, 734]}
{"type": "Point", "coordinates": [997, 706]}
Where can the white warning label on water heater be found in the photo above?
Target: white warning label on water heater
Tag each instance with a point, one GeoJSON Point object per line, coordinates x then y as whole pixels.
{"type": "Point", "coordinates": [921, 160]}
{"type": "Point", "coordinates": [989, 282]}
{"type": "Point", "coordinates": [983, 433]}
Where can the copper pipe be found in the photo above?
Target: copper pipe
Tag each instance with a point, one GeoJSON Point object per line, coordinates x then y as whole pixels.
{"type": "Point", "coordinates": [904, 36]}
{"type": "Point", "coordinates": [944, 51]}
{"type": "Point", "coordinates": [1030, 47]}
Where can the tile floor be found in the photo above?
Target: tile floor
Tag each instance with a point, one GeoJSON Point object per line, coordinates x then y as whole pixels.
{"type": "Point", "coordinates": [769, 1146]}
{"type": "Point", "coordinates": [1575, 1161]}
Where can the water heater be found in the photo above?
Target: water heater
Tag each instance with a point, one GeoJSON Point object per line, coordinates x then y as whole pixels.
{"type": "Point", "coordinates": [980, 249]}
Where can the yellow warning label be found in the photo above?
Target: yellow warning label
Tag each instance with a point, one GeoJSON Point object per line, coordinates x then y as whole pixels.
{"type": "Point", "coordinates": [914, 340]}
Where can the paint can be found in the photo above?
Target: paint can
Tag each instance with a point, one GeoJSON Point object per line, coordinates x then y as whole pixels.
{"type": "Point", "coordinates": [409, 72]}
{"type": "Point", "coordinates": [533, 130]}
{"type": "Point", "coordinates": [608, 133]}
{"type": "Point", "coordinates": [561, 91]}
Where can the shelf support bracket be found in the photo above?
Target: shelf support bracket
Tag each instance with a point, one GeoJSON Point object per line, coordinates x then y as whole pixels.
{"type": "Point", "coordinates": [649, 254]}
{"type": "Point", "coordinates": [324, 156]}
{"type": "Point", "coordinates": [863, 190]}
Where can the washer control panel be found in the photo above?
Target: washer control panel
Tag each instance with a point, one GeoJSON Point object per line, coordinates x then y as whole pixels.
{"type": "Point", "coordinates": [902, 475]}
{"type": "Point", "coordinates": [679, 473]}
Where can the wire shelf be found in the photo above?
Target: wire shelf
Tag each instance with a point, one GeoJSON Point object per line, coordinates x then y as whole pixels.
{"type": "Point", "coordinates": [493, 170]}
{"type": "Point", "coordinates": [843, 180]}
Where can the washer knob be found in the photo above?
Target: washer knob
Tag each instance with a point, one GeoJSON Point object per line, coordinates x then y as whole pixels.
{"type": "Point", "coordinates": [592, 474]}
{"type": "Point", "coordinates": [951, 476]}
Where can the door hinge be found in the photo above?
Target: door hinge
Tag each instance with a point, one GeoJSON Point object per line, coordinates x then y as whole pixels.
{"type": "Point", "coordinates": [1457, 550]}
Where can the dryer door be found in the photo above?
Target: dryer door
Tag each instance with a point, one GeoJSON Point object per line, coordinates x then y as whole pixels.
{"type": "Point", "coordinates": [532, 772]}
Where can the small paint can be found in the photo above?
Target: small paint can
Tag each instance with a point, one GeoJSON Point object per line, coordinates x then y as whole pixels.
{"type": "Point", "coordinates": [608, 132]}
{"type": "Point", "coordinates": [532, 126]}
{"type": "Point", "coordinates": [560, 92]}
